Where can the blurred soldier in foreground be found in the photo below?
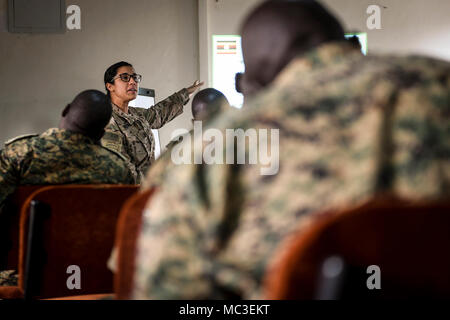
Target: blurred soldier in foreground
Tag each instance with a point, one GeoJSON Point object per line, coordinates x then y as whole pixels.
{"type": "Point", "coordinates": [350, 127]}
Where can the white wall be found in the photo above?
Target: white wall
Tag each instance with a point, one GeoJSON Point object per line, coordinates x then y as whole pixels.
{"type": "Point", "coordinates": [219, 17]}
{"type": "Point", "coordinates": [41, 73]}
{"type": "Point", "coordinates": [408, 26]}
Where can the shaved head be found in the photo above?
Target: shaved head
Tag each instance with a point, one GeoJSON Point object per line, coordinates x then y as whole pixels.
{"type": "Point", "coordinates": [207, 103]}
{"type": "Point", "coordinates": [88, 114]}
{"type": "Point", "coordinates": [278, 31]}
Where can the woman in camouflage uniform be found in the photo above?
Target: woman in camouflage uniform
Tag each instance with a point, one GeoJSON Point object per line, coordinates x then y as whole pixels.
{"type": "Point", "coordinates": [129, 131]}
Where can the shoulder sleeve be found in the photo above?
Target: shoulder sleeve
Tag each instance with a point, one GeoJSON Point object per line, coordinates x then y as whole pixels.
{"type": "Point", "coordinates": [115, 153]}
{"type": "Point", "coordinates": [177, 247]}
{"type": "Point", "coordinates": [112, 140]}
{"type": "Point", "coordinates": [166, 110]}
{"type": "Point", "coordinates": [25, 136]}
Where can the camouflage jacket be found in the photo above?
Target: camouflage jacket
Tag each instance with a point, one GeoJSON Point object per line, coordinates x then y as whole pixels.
{"type": "Point", "coordinates": [130, 133]}
{"type": "Point", "coordinates": [349, 127]}
{"type": "Point", "coordinates": [58, 157]}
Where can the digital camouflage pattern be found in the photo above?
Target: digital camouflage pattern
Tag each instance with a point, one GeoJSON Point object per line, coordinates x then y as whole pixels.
{"type": "Point", "coordinates": [350, 126]}
{"type": "Point", "coordinates": [59, 157]}
{"type": "Point", "coordinates": [130, 133]}
{"type": "Point", "coordinates": [8, 278]}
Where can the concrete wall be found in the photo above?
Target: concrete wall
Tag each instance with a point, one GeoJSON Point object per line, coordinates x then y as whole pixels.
{"type": "Point", "coordinates": [41, 73]}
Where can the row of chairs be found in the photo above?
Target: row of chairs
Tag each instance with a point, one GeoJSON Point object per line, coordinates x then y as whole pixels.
{"type": "Point", "coordinates": [384, 248]}
{"type": "Point", "coordinates": [407, 242]}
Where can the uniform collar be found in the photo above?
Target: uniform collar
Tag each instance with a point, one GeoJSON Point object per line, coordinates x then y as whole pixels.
{"type": "Point", "coordinates": [118, 113]}
{"type": "Point", "coordinates": [325, 55]}
{"type": "Point", "coordinates": [67, 135]}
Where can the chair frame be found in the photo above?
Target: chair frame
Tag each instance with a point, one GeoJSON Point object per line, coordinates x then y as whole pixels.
{"type": "Point", "coordinates": [298, 260]}
{"type": "Point", "coordinates": [30, 218]}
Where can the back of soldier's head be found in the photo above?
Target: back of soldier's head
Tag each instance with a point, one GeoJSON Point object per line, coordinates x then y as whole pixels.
{"type": "Point", "coordinates": [278, 31]}
{"type": "Point", "coordinates": [88, 114]}
{"type": "Point", "coordinates": [207, 103]}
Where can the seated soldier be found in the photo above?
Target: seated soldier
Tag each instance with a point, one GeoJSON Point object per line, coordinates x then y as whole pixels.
{"type": "Point", "coordinates": [70, 154]}
{"type": "Point", "coordinates": [206, 105]}
{"type": "Point", "coordinates": [350, 127]}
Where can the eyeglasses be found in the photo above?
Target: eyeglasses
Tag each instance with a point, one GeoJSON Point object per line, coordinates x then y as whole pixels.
{"type": "Point", "coordinates": [125, 77]}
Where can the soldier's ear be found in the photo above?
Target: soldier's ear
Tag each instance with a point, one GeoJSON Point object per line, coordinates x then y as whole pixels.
{"type": "Point", "coordinates": [66, 110]}
{"type": "Point", "coordinates": [109, 86]}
